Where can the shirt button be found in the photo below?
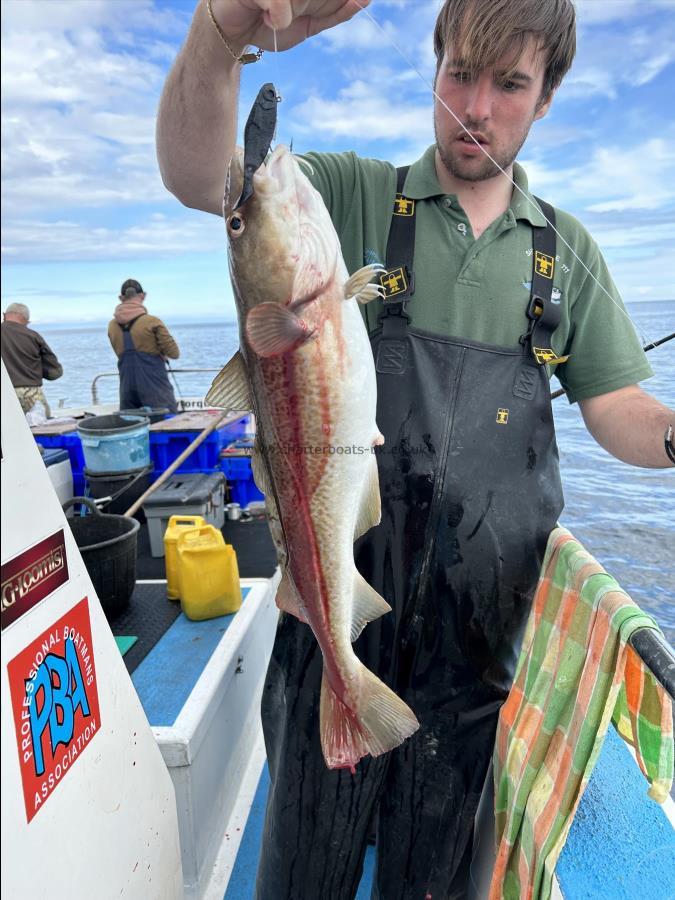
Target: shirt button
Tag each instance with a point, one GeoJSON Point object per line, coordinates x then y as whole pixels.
{"type": "Point", "coordinates": [447, 203]}
{"type": "Point", "coordinates": [461, 227]}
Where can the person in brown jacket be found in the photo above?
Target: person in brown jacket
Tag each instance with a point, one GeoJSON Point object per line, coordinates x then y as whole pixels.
{"type": "Point", "coordinates": [28, 358]}
{"type": "Point", "coordinates": [142, 343]}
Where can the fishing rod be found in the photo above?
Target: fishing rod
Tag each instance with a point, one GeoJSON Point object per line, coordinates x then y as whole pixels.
{"type": "Point", "coordinates": [646, 348]}
{"type": "Point", "coordinates": [174, 379]}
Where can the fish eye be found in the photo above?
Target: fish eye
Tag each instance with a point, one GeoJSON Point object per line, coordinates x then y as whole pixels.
{"type": "Point", "coordinates": [235, 225]}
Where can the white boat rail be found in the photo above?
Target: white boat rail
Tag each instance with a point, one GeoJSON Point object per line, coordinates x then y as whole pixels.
{"type": "Point", "coordinates": [94, 385]}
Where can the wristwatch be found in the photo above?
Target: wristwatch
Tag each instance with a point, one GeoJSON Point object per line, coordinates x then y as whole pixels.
{"type": "Point", "coordinates": [668, 443]}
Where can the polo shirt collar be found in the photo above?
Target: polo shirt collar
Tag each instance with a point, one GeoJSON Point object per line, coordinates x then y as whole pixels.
{"type": "Point", "coordinates": [421, 183]}
{"type": "Point", "coordinates": [525, 207]}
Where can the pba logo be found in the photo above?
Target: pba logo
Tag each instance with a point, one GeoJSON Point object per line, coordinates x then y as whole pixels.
{"type": "Point", "coordinates": [55, 704]}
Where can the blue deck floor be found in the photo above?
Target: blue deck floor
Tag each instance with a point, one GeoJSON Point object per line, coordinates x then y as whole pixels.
{"type": "Point", "coordinates": [621, 845]}
{"type": "Point", "coordinates": [166, 677]}
{"type": "Point", "coordinates": [243, 875]}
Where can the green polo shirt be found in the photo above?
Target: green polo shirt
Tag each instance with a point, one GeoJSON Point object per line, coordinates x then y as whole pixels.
{"type": "Point", "coordinates": [479, 289]}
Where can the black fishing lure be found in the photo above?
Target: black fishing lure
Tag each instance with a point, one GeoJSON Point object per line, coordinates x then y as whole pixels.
{"type": "Point", "coordinates": [258, 134]}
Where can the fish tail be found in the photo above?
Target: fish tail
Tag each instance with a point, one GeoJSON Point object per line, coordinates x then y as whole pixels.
{"type": "Point", "coordinates": [382, 722]}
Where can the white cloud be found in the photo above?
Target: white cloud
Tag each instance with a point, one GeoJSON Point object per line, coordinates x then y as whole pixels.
{"type": "Point", "coordinates": [376, 101]}
{"type": "Point", "coordinates": [602, 12]}
{"type": "Point", "coordinates": [81, 80]}
{"type": "Point", "coordinates": [640, 176]}
{"type": "Point", "coordinates": [615, 54]}
{"type": "Point", "coordinates": [374, 36]}
{"type": "Point", "coordinates": [32, 240]}
{"type": "Point", "coordinates": [625, 196]}
{"type": "Point", "coordinates": [76, 109]}
{"type": "Point", "coordinates": [27, 16]}
{"type": "Point", "coordinates": [366, 117]}
{"type": "Point", "coordinates": [360, 33]}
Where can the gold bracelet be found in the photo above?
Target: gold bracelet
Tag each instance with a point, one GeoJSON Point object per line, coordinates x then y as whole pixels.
{"type": "Point", "coordinates": [243, 58]}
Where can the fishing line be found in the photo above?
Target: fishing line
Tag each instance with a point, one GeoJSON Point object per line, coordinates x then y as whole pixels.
{"type": "Point", "coordinates": [496, 164]}
{"type": "Point", "coordinates": [174, 379]}
{"type": "Point", "coordinates": [277, 79]}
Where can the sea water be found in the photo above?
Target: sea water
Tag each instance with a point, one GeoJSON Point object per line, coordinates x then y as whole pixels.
{"type": "Point", "coordinates": [623, 515]}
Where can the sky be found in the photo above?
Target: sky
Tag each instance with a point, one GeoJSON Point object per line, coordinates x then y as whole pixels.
{"type": "Point", "coordinates": [84, 207]}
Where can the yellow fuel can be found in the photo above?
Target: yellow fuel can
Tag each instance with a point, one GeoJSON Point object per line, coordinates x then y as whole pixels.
{"type": "Point", "coordinates": [177, 524]}
{"type": "Point", "coordinates": [208, 574]}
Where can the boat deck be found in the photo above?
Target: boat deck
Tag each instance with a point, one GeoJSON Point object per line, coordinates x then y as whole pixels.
{"type": "Point", "coordinates": [621, 844]}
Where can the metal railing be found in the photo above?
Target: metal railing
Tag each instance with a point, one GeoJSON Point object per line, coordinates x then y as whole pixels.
{"type": "Point", "coordinates": [94, 384]}
{"type": "Point", "coordinates": [657, 654]}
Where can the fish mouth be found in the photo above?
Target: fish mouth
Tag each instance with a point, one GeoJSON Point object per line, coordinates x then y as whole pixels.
{"type": "Point", "coordinates": [275, 172]}
{"type": "Point", "coordinates": [269, 178]}
{"type": "Point", "coordinates": [290, 215]}
{"type": "Point", "coordinates": [279, 172]}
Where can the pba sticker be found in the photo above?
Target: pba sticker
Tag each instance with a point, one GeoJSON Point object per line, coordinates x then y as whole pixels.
{"type": "Point", "coordinates": [33, 575]}
{"type": "Point", "coordinates": [52, 684]}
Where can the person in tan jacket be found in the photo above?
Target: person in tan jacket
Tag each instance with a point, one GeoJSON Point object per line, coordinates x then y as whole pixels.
{"type": "Point", "coordinates": [142, 343]}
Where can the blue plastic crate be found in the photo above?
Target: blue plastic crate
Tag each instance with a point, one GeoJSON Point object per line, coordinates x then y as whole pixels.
{"type": "Point", "coordinates": [243, 490]}
{"type": "Point", "coordinates": [166, 446]}
{"type": "Point", "coordinates": [79, 485]}
{"type": "Point", "coordinates": [51, 456]}
{"type": "Point", "coordinates": [236, 467]}
{"type": "Point", "coordinates": [70, 442]}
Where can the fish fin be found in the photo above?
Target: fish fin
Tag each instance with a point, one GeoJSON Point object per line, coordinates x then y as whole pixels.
{"type": "Point", "coordinates": [287, 598]}
{"type": "Point", "coordinates": [263, 482]}
{"type": "Point", "coordinates": [231, 388]}
{"type": "Point", "coordinates": [382, 722]}
{"type": "Point", "coordinates": [272, 329]}
{"type": "Point", "coordinates": [369, 293]}
{"type": "Point", "coordinates": [366, 606]}
{"type": "Point", "coordinates": [259, 470]}
{"type": "Point", "coordinates": [370, 509]}
{"type": "Point", "coordinates": [359, 283]}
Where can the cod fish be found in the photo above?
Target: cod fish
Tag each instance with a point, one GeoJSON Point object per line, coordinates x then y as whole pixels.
{"type": "Point", "coordinates": [306, 368]}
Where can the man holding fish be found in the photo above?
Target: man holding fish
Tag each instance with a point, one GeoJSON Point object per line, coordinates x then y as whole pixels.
{"type": "Point", "coordinates": [455, 486]}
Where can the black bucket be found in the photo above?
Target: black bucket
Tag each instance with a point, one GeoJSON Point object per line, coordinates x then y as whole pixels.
{"type": "Point", "coordinates": [123, 488]}
{"type": "Point", "coordinates": [108, 547]}
{"type": "Point", "coordinates": [154, 414]}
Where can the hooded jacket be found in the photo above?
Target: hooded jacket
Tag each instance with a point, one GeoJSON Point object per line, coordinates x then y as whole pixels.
{"type": "Point", "coordinates": [149, 334]}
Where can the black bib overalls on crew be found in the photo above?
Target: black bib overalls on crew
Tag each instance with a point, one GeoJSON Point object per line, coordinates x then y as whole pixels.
{"type": "Point", "coordinates": [470, 492]}
{"type": "Point", "coordinates": [143, 378]}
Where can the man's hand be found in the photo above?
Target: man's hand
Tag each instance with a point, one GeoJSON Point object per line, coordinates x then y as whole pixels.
{"type": "Point", "coordinates": [197, 120]}
{"type": "Point", "coordinates": [631, 425]}
{"type": "Point", "coordinates": [254, 21]}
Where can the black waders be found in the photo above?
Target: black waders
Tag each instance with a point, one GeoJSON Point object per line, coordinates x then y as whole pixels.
{"type": "Point", "coordinates": [470, 492]}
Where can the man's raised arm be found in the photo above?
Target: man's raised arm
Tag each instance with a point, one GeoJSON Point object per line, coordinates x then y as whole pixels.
{"type": "Point", "coordinates": [197, 119]}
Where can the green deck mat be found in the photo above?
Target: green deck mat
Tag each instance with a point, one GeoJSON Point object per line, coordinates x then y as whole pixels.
{"type": "Point", "coordinates": [125, 642]}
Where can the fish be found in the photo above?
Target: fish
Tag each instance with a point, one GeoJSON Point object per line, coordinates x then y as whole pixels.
{"type": "Point", "coordinates": [305, 367]}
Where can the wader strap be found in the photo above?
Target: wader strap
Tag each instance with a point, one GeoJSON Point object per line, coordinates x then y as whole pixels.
{"type": "Point", "coordinates": [126, 332]}
{"type": "Point", "coordinates": [398, 282]}
{"type": "Point", "coordinates": [543, 313]}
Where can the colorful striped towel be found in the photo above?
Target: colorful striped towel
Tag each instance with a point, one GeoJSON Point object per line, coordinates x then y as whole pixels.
{"type": "Point", "coordinates": [574, 674]}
